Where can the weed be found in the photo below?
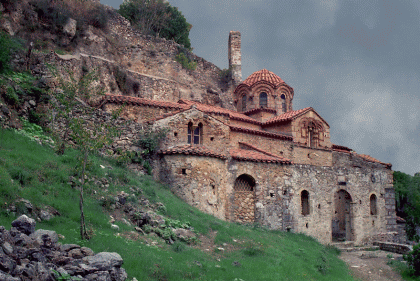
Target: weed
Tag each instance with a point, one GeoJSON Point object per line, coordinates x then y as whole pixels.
{"type": "Point", "coordinates": [185, 62]}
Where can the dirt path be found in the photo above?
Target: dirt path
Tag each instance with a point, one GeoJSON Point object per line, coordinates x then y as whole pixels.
{"type": "Point", "coordinates": [370, 265]}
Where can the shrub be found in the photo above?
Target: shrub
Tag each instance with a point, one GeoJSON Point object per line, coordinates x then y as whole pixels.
{"type": "Point", "coordinates": [84, 12]}
{"type": "Point", "coordinates": [413, 260]}
{"type": "Point", "coordinates": [7, 46]}
{"type": "Point", "coordinates": [185, 62]}
{"type": "Point", "coordinates": [225, 75]}
{"type": "Point", "coordinates": [158, 18]}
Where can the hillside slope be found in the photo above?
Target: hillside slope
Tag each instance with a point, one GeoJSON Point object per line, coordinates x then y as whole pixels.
{"type": "Point", "coordinates": [158, 235]}
{"type": "Point", "coordinates": [128, 62]}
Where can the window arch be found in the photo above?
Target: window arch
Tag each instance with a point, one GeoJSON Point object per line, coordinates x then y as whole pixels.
{"type": "Point", "coordinates": [304, 198]}
{"type": "Point", "coordinates": [243, 102]}
{"type": "Point", "coordinates": [190, 132]}
{"type": "Point", "coordinates": [263, 99]}
{"type": "Point", "coordinates": [283, 103]}
{"type": "Point", "coordinates": [373, 207]}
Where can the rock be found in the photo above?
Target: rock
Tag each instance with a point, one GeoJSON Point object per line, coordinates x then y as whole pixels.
{"type": "Point", "coordinates": [7, 26]}
{"type": "Point", "coordinates": [68, 247]}
{"type": "Point", "coordinates": [24, 224]}
{"type": "Point", "coordinates": [7, 248]}
{"type": "Point", "coordinates": [70, 28]}
{"type": "Point", "coordinates": [183, 234]}
{"type": "Point", "coordinates": [7, 264]}
{"type": "Point", "coordinates": [32, 103]}
{"type": "Point", "coordinates": [76, 254]}
{"type": "Point", "coordinates": [99, 276]}
{"type": "Point", "coordinates": [44, 237]}
{"type": "Point", "coordinates": [104, 260]}
{"type": "Point", "coordinates": [87, 251]}
{"type": "Point", "coordinates": [45, 215]}
{"type": "Point", "coordinates": [7, 277]}
{"type": "Point", "coordinates": [118, 274]}
{"type": "Point", "coordinates": [114, 226]}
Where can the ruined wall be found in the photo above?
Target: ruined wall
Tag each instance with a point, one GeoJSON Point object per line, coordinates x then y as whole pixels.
{"type": "Point", "coordinates": [200, 181]}
{"type": "Point", "coordinates": [137, 113]}
{"type": "Point", "coordinates": [278, 195]}
{"type": "Point", "coordinates": [234, 56]}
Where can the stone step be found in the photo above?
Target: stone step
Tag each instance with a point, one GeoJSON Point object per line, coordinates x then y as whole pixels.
{"type": "Point", "coordinates": [356, 249]}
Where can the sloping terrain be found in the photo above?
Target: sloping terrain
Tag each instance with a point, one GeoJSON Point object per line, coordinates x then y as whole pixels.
{"type": "Point", "coordinates": [158, 236]}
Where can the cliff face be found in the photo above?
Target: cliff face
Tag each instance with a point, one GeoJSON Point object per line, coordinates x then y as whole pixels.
{"type": "Point", "coordinates": [127, 61]}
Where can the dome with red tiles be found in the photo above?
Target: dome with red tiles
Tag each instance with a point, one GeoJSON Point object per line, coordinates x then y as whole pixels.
{"type": "Point", "coordinates": [263, 75]}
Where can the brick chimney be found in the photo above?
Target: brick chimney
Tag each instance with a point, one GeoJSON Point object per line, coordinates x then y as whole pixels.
{"type": "Point", "coordinates": [235, 57]}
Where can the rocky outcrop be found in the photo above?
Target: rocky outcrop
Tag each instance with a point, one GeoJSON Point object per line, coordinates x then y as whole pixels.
{"type": "Point", "coordinates": [26, 254]}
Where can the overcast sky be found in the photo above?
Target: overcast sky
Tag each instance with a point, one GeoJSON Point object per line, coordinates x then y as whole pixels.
{"type": "Point", "coordinates": [357, 63]}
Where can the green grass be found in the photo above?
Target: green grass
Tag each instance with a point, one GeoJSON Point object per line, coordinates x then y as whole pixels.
{"type": "Point", "coordinates": [402, 268]}
{"type": "Point", "coordinates": [34, 172]}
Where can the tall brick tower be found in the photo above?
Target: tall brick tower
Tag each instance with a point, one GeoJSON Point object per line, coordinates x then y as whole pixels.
{"type": "Point", "coordinates": [235, 57]}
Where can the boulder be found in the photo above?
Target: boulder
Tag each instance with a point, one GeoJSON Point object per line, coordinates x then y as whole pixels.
{"type": "Point", "coordinates": [70, 28]}
{"type": "Point", "coordinates": [104, 261]}
{"type": "Point", "coordinates": [44, 237]}
{"type": "Point", "coordinates": [24, 224]}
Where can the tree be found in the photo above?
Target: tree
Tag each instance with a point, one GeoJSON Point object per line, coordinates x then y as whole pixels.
{"type": "Point", "coordinates": [86, 134]}
{"type": "Point", "coordinates": [157, 17]}
{"type": "Point", "coordinates": [407, 197]}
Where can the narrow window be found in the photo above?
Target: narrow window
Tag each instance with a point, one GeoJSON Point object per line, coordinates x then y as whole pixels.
{"type": "Point", "coordinates": [304, 196]}
{"type": "Point", "coordinates": [197, 134]}
{"type": "Point", "coordinates": [263, 99]}
{"type": "Point", "coordinates": [283, 103]}
{"type": "Point", "coordinates": [244, 103]}
{"type": "Point", "coordinates": [373, 209]}
{"type": "Point", "coordinates": [311, 137]}
{"type": "Point", "coordinates": [190, 130]}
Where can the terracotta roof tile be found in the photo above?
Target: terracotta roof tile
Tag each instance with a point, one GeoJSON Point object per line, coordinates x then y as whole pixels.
{"type": "Point", "coordinates": [263, 75]}
{"type": "Point", "coordinates": [260, 109]}
{"type": "Point", "coordinates": [255, 156]}
{"type": "Point", "coordinates": [286, 116]}
{"type": "Point", "coordinates": [263, 151]}
{"type": "Point", "coordinates": [189, 149]}
{"type": "Point", "coordinates": [220, 110]}
{"type": "Point", "coordinates": [260, 132]}
{"type": "Point", "coordinates": [140, 101]}
{"type": "Point", "coordinates": [371, 159]}
{"type": "Point", "coordinates": [340, 147]}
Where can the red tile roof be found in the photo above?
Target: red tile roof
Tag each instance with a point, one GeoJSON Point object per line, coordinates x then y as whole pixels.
{"type": "Point", "coordinates": [287, 116]}
{"type": "Point", "coordinates": [255, 156]}
{"type": "Point", "coordinates": [260, 133]}
{"type": "Point", "coordinates": [263, 75]}
{"type": "Point", "coordinates": [371, 159]}
{"type": "Point", "coordinates": [189, 149]}
{"type": "Point", "coordinates": [120, 99]}
{"type": "Point", "coordinates": [340, 147]}
{"type": "Point", "coordinates": [220, 110]}
{"type": "Point", "coordinates": [259, 109]}
{"type": "Point", "coordinates": [263, 151]}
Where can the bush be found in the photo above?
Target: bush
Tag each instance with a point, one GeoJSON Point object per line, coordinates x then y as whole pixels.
{"type": "Point", "coordinates": [185, 62]}
{"type": "Point", "coordinates": [158, 18]}
{"type": "Point", "coordinates": [413, 260]}
{"type": "Point", "coordinates": [84, 12]}
{"type": "Point", "coordinates": [225, 75]}
{"type": "Point", "coordinates": [7, 46]}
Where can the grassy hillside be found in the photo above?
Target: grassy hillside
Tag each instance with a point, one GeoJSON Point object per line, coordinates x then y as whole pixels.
{"type": "Point", "coordinates": [224, 251]}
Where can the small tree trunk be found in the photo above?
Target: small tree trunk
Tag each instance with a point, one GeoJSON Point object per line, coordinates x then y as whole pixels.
{"type": "Point", "coordinates": [83, 232]}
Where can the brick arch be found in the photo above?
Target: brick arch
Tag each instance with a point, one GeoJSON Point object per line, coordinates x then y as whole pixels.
{"type": "Point", "coordinates": [243, 204]}
{"type": "Point", "coordinates": [312, 130]}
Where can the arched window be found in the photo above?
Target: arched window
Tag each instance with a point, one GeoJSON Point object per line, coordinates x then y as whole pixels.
{"type": "Point", "coordinates": [283, 103]}
{"type": "Point", "coordinates": [198, 133]}
{"type": "Point", "coordinates": [263, 99]}
{"type": "Point", "coordinates": [373, 209]}
{"type": "Point", "coordinates": [244, 103]}
{"type": "Point", "coordinates": [190, 132]}
{"type": "Point", "coordinates": [311, 136]}
{"type": "Point", "coordinates": [304, 197]}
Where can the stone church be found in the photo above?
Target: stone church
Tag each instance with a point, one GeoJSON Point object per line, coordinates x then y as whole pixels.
{"type": "Point", "coordinates": [266, 162]}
